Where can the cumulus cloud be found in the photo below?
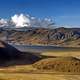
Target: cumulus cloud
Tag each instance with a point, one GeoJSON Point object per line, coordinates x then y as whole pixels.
{"type": "Point", "coordinates": [3, 22]}
{"type": "Point", "coordinates": [20, 20]}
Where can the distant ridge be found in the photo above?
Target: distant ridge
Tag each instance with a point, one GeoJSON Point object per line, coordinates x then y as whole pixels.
{"type": "Point", "coordinates": [66, 37]}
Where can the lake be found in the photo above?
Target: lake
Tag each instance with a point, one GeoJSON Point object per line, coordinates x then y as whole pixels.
{"type": "Point", "coordinates": [36, 48]}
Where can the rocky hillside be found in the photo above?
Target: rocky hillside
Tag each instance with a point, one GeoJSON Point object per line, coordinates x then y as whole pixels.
{"type": "Point", "coordinates": [69, 37]}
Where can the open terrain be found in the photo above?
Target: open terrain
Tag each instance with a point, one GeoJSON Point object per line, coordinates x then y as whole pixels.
{"type": "Point", "coordinates": [64, 53]}
{"type": "Point", "coordinates": [50, 65]}
{"type": "Point", "coordinates": [26, 73]}
{"type": "Point", "coordinates": [24, 76]}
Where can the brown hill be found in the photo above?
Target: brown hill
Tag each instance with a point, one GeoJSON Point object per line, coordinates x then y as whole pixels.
{"type": "Point", "coordinates": [11, 56]}
{"type": "Point", "coordinates": [59, 64]}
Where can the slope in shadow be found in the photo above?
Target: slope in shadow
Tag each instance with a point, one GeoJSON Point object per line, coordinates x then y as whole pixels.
{"type": "Point", "coordinates": [11, 56]}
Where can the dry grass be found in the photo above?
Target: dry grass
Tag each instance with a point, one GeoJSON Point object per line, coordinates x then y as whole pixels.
{"type": "Point", "coordinates": [64, 53]}
{"type": "Point", "coordinates": [63, 63]}
{"type": "Point", "coordinates": [59, 64]}
{"type": "Point", "coordinates": [17, 68]}
{"type": "Point", "coordinates": [16, 76]}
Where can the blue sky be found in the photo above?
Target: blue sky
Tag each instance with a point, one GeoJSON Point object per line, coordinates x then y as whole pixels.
{"type": "Point", "coordinates": [64, 12]}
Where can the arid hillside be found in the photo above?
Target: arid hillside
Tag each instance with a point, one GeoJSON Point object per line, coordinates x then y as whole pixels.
{"type": "Point", "coordinates": [67, 37]}
{"type": "Point", "coordinates": [59, 64]}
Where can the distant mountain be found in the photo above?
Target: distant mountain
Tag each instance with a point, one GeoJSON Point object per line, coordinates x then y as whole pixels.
{"type": "Point", "coordinates": [68, 37]}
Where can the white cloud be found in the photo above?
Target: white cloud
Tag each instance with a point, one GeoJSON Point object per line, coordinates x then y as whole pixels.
{"type": "Point", "coordinates": [3, 22]}
{"type": "Point", "coordinates": [20, 20]}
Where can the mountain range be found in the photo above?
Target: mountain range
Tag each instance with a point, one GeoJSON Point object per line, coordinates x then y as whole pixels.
{"type": "Point", "coordinates": [66, 37]}
{"type": "Point", "coordinates": [26, 29]}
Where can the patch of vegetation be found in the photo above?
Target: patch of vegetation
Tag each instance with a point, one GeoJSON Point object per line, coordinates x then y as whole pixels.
{"type": "Point", "coordinates": [60, 64]}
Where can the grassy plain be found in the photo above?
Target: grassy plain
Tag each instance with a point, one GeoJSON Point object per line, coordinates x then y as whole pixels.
{"type": "Point", "coordinates": [25, 76]}
{"type": "Point", "coordinates": [63, 53]}
{"type": "Point", "coordinates": [28, 72]}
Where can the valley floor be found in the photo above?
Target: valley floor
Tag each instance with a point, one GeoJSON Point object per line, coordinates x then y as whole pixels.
{"type": "Point", "coordinates": [24, 76]}
{"type": "Point", "coordinates": [28, 73]}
